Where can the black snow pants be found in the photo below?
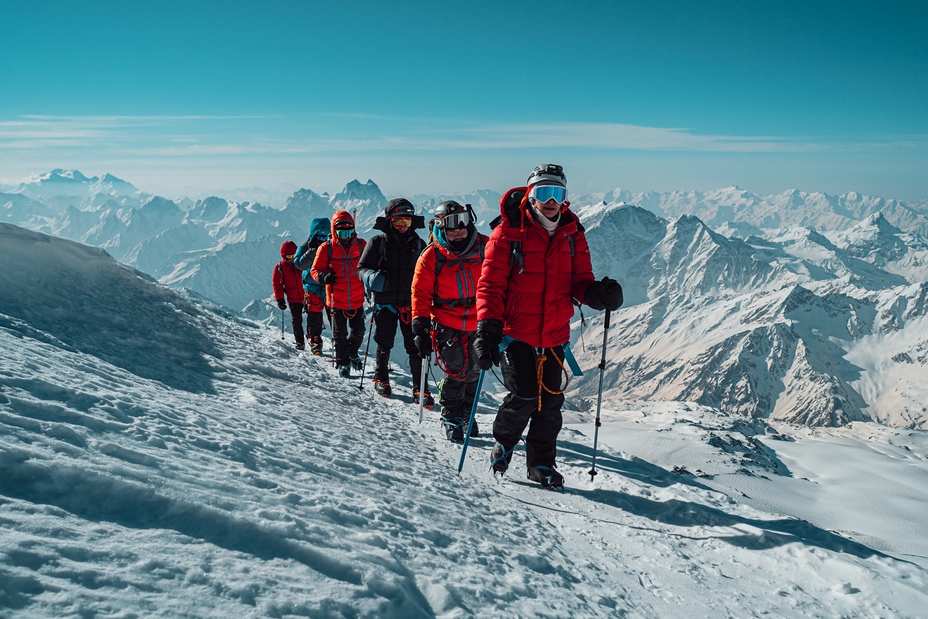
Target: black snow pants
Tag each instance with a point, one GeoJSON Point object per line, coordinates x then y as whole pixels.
{"type": "Point", "coordinates": [347, 343]}
{"type": "Point", "coordinates": [458, 387]}
{"type": "Point", "coordinates": [385, 321]}
{"type": "Point", "coordinates": [519, 366]}
{"type": "Point", "coordinates": [296, 313]}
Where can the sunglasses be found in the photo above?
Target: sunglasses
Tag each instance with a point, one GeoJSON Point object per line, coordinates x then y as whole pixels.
{"type": "Point", "coordinates": [453, 220]}
{"type": "Point", "coordinates": [543, 193]}
{"type": "Point", "coordinates": [344, 233]}
{"type": "Point", "coordinates": [401, 222]}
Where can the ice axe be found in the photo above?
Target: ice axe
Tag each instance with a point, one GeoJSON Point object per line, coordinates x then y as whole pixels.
{"type": "Point", "coordinates": [422, 378]}
{"type": "Point", "coordinates": [370, 329]}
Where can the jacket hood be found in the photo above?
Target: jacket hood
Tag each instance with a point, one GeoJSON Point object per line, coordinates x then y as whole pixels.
{"type": "Point", "coordinates": [513, 208]}
{"type": "Point", "coordinates": [444, 246]}
{"type": "Point", "coordinates": [319, 228]}
{"type": "Point", "coordinates": [289, 247]}
{"type": "Point", "coordinates": [339, 217]}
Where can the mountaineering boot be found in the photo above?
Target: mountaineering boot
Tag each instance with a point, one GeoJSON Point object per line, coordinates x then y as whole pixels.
{"type": "Point", "coordinates": [429, 401]}
{"type": "Point", "coordinates": [356, 363]}
{"type": "Point", "coordinates": [382, 387]}
{"type": "Point", "coordinates": [546, 476]}
{"type": "Point", "coordinates": [500, 459]}
{"type": "Point", "coordinates": [474, 433]}
{"type": "Point", "coordinates": [454, 429]}
{"type": "Point", "coordinates": [315, 345]}
{"type": "Point", "coordinates": [344, 371]}
{"type": "Point", "coordinates": [300, 346]}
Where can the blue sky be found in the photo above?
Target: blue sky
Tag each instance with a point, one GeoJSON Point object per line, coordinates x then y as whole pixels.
{"type": "Point", "coordinates": [446, 97]}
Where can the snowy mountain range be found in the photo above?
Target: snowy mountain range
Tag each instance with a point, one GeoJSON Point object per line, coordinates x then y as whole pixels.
{"type": "Point", "coordinates": [805, 308]}
{"type": "Point", "coordinates": [163, 457]}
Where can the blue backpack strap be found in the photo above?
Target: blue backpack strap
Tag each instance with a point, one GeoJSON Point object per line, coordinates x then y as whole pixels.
{"type": "Point", "coordinates": [568, 354]}
{"type": "Point", "coordinates": [571, 360]}
{"type": "Point", "coordinates": [381, 306]}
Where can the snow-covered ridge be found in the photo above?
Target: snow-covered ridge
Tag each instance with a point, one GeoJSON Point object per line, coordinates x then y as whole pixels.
{"type": "Point", "coordinates": [770, 327]}
{"type": "Point", "coordinates": [163, 458]}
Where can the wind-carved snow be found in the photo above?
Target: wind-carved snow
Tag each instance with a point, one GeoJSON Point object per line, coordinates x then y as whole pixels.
{"type": "Point", "coordinates": [162, 457]}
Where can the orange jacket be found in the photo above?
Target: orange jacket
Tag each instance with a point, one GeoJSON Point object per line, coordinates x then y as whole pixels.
{"type": "Point", "coordinates": [449, 298]}
{"type": "Point", "coordinates": [342, 260]}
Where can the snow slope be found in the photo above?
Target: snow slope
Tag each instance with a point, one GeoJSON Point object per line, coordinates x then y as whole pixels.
{"type": "Point", "coordinates": [162, 458]}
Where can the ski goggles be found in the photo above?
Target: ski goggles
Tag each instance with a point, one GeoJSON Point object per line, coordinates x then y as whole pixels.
{"type": "Point", "coordinates": [543, 193]}
{"type": "Point", "coordinates": [401, 221]}
{"type": "Point", "coordinates": [344, 233]}
{"type": "Point", "coordinates": [289, 256]}
{"type": "Point", "coordinates": [453, 220]}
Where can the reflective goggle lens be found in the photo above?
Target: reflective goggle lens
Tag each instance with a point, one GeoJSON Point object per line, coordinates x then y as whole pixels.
{"type": "Point", "coordinates": [344, 233]}
{"type": "Point", "coordinates": [454, 220]}
{"type": "Point", "coordinates": [543, 193]}
{"type": "Point", "coordinates": [402, 222]}
{"type": "Point", "coordinates": [289, 256]}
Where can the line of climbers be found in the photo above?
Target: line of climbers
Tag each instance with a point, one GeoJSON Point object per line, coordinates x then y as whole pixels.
{"type": "Point", "coordinates": [471, 300]}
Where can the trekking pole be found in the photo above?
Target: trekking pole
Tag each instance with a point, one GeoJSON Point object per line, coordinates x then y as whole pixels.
{"type": "Point", "coordinates": [370, 329]}
{"type": "Point", "coordinates": [599, 400]}
{"type": "Point", "coordinates": [470, 424]}
{"type": "Point", "coordinates": [281, 324]}
{"type": "Point", "coordinates": [422, 379]}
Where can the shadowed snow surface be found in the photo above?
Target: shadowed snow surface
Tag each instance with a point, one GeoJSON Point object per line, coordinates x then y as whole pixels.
{"type": "Point", "coordinates": [160, 458]}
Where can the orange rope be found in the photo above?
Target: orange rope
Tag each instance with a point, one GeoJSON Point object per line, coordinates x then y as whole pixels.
{"type": "Point", "coordinates": [539, 371]}
{"type": "Point", "coordinates": [349, 315]}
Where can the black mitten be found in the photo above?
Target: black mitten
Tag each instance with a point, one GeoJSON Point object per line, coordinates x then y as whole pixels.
{"type": "Point", "coordinates": [611, 294]}
{"type": "Point", "coordinates": [604, 294]}
{"type": "Point", "coordinates": [486, 342]}
{"type": "Point", "coordinates": [421, 329]}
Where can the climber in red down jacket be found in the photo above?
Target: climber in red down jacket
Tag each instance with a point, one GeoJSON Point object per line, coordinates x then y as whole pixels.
{"type": "Point", "coordinates": [336, 266]}
{"type": "Point", "coordinates": [288, 288]}
{"type": "Point", "coordinates": [537, 263]}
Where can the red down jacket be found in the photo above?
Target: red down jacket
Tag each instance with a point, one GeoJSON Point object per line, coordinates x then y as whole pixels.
{"type": "Point", "coordinates": [341, 259]}
{"type": "Point", "coordinates": [536, 303]}
{"type": "Point", "coordinates": [288, 280]}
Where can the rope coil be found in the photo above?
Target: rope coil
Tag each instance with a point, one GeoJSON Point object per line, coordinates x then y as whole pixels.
{"type": "Point", "coordinates": [540, 359]}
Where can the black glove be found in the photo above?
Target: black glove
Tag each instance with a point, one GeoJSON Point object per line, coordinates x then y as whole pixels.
{"type": "Point", "coordinates": [326, 278]}
{"type": "Point", "coordinates": [281, 304]}
{"type": "Point", "coordinates": [604, 294]}
{"type": "Point", "coordinates": [421, 330]}
{"type": "Point", "coordinates": [486, 342]}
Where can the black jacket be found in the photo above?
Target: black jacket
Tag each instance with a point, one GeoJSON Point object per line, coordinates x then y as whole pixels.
{"type": "Point", "coordinates": [395, 255]}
